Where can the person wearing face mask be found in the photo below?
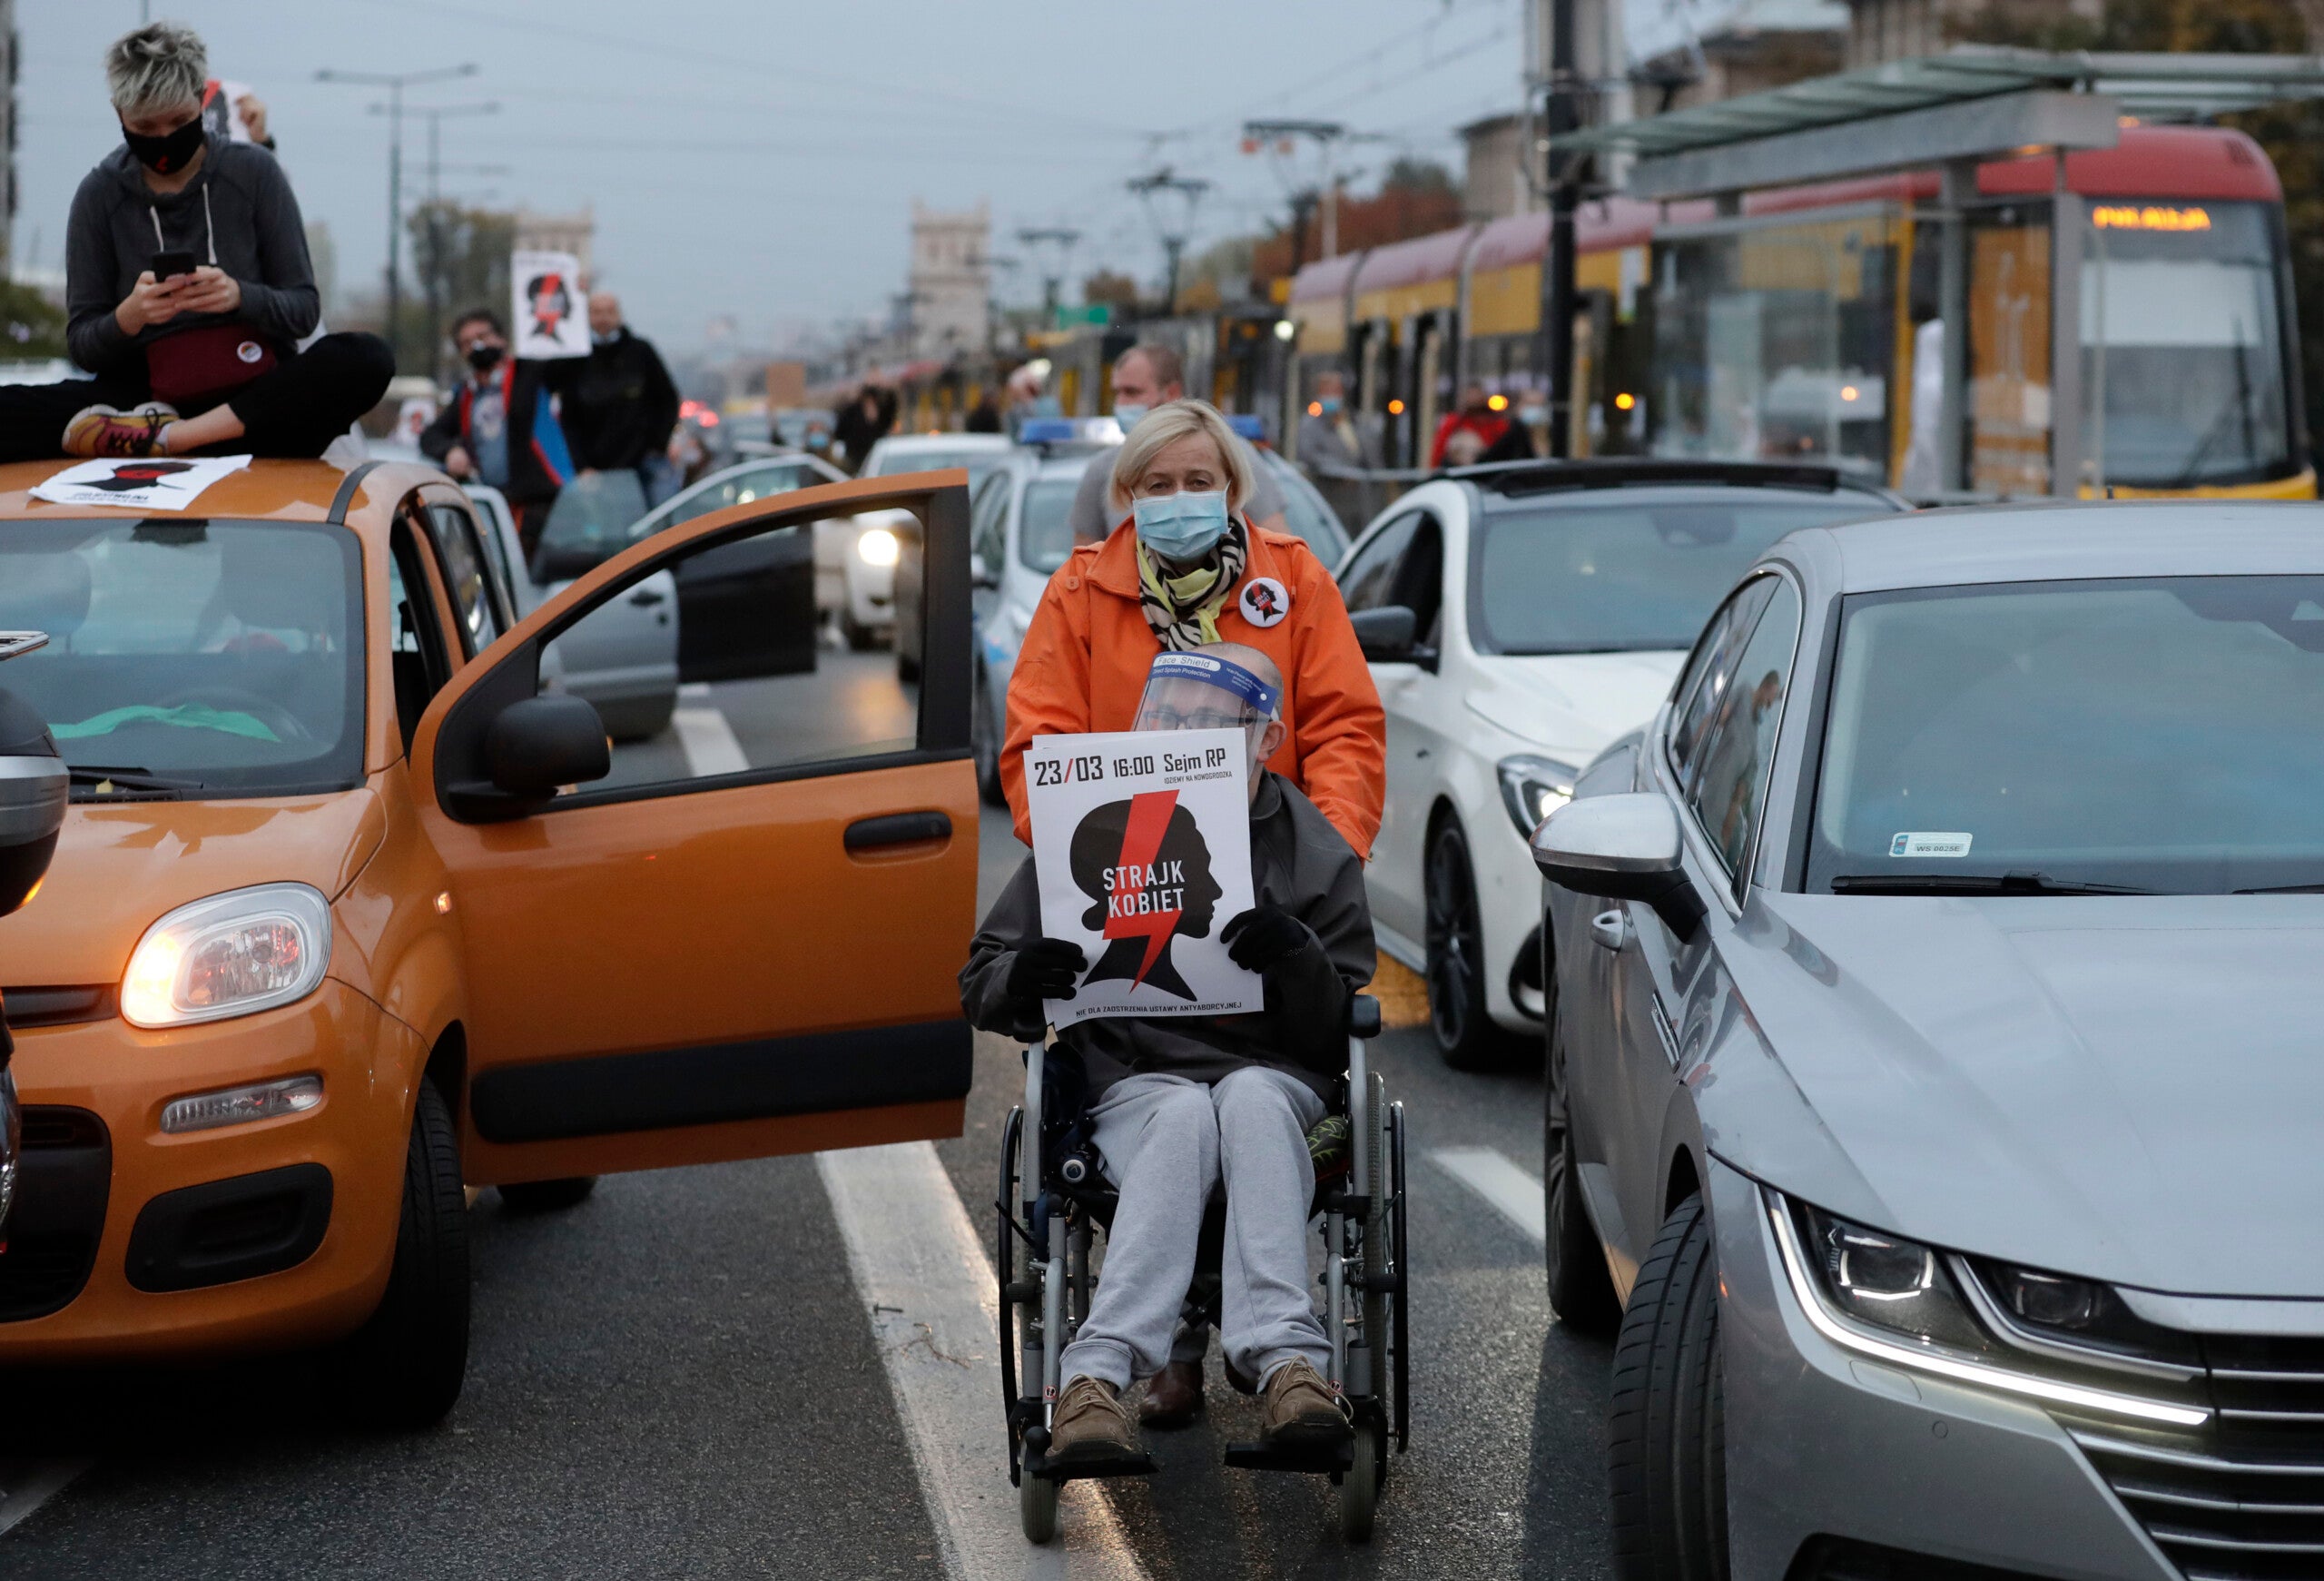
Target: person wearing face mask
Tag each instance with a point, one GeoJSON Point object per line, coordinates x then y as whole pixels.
{"type": "Point", "coordinates": [1145, 377]}
{"type": "Point", "coordinates": [502, 425]}
{"type": "Point", "coordinates": [622, 406]}
{"type": "Point", "coordinates": [189, 291]}
{"type": "Point", "coordinates": [1476, 415]}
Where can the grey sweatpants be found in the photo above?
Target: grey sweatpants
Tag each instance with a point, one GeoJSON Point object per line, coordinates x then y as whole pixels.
{"type": "Point", "coordinates": [1166, 1142]}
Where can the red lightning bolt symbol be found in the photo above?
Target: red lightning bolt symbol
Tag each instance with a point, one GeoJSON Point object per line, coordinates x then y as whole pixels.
{"type": "Point", "coordinates": [1150, 820]}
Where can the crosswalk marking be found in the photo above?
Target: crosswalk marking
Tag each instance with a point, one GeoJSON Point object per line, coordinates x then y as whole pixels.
{"type": "Point", "coordinates": [921, 1271]}
{"type": "Point", "coordinates": [1491, 1174]}
{"type": "Point", "coordinates": [708, 742]}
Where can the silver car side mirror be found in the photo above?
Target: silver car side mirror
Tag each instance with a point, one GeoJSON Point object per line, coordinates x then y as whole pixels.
{"type": "Point", "coordinates": [1624, 848]}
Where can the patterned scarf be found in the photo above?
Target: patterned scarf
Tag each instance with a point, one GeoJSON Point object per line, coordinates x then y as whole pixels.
{"type": "Point", "coordinates": [1183, 610]}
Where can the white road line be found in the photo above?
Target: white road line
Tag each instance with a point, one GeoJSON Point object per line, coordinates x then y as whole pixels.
{"type": "Point", "coordinates": [695, 689]}
{"type": "Point", "coordinates": [708, 742]}
{"type": "Point", "coordinates": [27, 1485]}
{"type": "Point", "coordinates": [1491, 1174]}
{"type": "Point", "coordinates": [923, 1273]}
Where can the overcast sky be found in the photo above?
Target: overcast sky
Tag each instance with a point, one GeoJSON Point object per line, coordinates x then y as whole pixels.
{"type": "Point", "coordinates": [761, 160]}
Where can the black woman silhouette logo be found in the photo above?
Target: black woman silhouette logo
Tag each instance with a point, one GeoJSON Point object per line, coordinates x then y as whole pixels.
{"type": "Point", "coordinates": [1145, 864]}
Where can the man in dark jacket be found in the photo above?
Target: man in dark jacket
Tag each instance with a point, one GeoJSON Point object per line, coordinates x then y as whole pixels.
{"type": "Point", "coordinates": [188, 292]}
{"type": "Point", "coordinates": [501, 426]}
{"type": "Point", "coordinates": [1183, 1104]}
{"type": "Point", "coordinates": [622, 405]}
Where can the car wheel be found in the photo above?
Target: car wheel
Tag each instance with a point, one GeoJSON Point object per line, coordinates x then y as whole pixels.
{"type": "Point", "coordinates": [404, 1368]}
{"type": "Point", "coordinates": [1455, 944]}
{"type": "Point", "coordinates": [1666, 1434]}
{"type": "Point", "coordinates": [546, 1196]}
{"type": "Point", "coordinates": [1581, 1292]}
{"type": "Point", "coordinates": [984, 743]}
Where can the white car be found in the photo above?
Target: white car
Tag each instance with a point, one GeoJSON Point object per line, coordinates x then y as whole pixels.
{"type": "Point", "coordinates": [1518, 620]}
{"type": "Point", "coordinates": [1020, 530]}
{"type": "Point", "coordinates": [888, 458]}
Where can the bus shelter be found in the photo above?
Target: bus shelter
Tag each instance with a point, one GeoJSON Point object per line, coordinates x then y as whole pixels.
{"type": "Point", "coordinates": [1987, 273]}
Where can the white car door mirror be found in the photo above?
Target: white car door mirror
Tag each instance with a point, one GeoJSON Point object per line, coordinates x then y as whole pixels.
{"type": "Point", "coordinates": [1624, 848]}
{"type": "Point", "coordinates": [982, 575]}
{"type": "Point", "coordinates": [1387, 634]}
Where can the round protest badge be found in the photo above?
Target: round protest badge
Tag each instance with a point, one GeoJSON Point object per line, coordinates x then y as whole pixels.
{"type": "Point", "coordinates": [250, 350]}
{"type": "Point", "coordinates": [1264, 601]}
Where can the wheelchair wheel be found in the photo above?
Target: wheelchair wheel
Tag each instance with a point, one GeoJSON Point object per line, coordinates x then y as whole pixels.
{"type": "Point", "coordinates": [1400, 1345]}
{"type": "Point", "coordinates": [1383, 1251]}
{"type": "Point", "coordinates": [1009, 1262]}
{"type": "Point", "coordinates": [1360, 1484]}
{"type": "Point", "coordinates": [1036, 1509]}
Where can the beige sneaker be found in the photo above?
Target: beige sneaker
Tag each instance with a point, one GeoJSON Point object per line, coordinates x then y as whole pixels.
{"type": "Point", "coordinates": [104, 430]}
{"type": "Point", "coordinates": [1090, 1423]}
{"type": "Point", "coordinates": [1300, 1411]}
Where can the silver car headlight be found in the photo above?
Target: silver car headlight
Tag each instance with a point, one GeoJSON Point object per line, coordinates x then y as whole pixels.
{"type": "Point", "coordinates": [878, 547]}
{"type": "Point", "coordinates": [1898, 1301]}
{"type": "Point", "coordinates": [1532, 788]}
{"type": "Point", "coordinates": [236, 954]}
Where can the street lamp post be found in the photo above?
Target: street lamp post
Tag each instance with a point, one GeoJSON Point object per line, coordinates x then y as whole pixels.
{"type": "Point", "coordinates": [1152, 189]}
{"type": "Point", "coordinates": [395, 83]}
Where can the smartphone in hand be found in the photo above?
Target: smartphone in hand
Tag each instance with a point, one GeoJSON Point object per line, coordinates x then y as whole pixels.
{"type": "Point", "coordinates": [172, 261]}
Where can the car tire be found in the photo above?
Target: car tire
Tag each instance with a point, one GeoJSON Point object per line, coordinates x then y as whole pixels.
{"type": "Point", "coordinates": [404, 1368]}
{"type": "Point", "coordinates": [1465, 1033]}
{"type": "Point", "coordinates": [546, 1196]}
{"type": "Point", "coordinates": [984, 743]}
{"type": "Point", "coordinates": [1666, 1433]}
{"type": "Point", "coordinates": [1581, 1292]}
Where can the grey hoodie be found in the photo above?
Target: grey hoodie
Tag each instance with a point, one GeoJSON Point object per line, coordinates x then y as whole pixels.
{"type": "Point", "coordinates": [238, 213]}
{"type": "Point", "coordinates": [1298, 862]}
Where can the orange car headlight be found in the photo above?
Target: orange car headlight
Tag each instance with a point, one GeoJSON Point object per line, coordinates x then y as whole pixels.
{"type": "Point", "coordinates": [236, 954]}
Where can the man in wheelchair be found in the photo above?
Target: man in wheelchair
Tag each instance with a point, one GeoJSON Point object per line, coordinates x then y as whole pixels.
{"type": "Point", "coordinates": [1182, 1106]}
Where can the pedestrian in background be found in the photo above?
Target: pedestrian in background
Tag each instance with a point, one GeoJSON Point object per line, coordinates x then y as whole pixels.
{"type": "Point", "coordinates": [1147, 376]}
{"type": "Point", "coordinates": [1334, 439]}
{"type": "Point", "coordinates": [865, 423]}
{"type": "Point", "coordinates": [189, 291]}
{"type": "Point", "coordinates": [1475, 416]}
{"type": "Point", "coordinates": [984, 416]}
{"type": "Point", "coordinates": [501, 425]}
{"type": "Point", "coordinates": [622, 406]}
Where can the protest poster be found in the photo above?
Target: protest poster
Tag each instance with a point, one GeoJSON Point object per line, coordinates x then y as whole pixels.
{"type": "Point", "coordinates": [550, 313]}
{"type": "Point", "coordinates": [154, 483]}
{"type": "Point", "coordinates": [1142, 842]}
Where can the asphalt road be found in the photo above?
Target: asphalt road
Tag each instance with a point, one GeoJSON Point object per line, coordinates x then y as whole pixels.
{"type": "Point", "coordinates": [679, 1378]}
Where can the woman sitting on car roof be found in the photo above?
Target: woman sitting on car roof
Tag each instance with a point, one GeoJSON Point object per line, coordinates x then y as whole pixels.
{"type": "Point", "coordinates": [188, 290]}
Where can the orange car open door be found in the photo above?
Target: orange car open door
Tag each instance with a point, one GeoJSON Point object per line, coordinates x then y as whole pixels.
{"type": "Point", "coordinates": [744, 939]}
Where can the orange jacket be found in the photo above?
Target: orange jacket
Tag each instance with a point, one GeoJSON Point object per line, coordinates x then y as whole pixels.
{"type": "Point", "coordinates": [1083, 666]}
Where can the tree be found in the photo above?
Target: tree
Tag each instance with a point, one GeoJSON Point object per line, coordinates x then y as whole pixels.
{"type": "Point", "coordinates": [461, 257]}
{"type": "Point", "coordinates": [31, 327]}
{"type": "Point", "coordinates": [1117, 291]}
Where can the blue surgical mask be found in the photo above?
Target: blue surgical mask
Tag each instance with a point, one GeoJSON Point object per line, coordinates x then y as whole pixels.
{"type": "Point", "coordinates": [1181, 528]}
{"type": "Point", "coordinates": [1129, 414]}
{"type": "Point", "coordinates": [1331, 405]}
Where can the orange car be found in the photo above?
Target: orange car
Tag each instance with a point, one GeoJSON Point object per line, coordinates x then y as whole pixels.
{"type": "Point", "coordinates": [348, 913]}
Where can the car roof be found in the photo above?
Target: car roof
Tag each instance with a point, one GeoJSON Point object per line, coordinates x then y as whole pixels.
{"type": "Point", "coordinates": [944, 443]}
{"type": "Point", "coordinates": [363, 499]}
{"type": "Point", "coordinates": [2067, 541]}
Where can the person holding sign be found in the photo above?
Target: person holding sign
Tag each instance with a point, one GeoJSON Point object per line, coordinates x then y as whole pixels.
{"type": "Point", "coordinates": [1184, 1102]}
{"type": "Point", "coordinates": [1188, 569]}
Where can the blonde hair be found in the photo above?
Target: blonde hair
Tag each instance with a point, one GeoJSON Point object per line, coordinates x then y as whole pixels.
{"type": "Point", "coordinates": [1165, 426]}
{"type": "Point", "coordinates": [157, 68]}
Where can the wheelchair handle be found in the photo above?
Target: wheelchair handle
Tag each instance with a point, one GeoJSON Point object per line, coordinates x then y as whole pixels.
{"type": "Point", "coordinates": [1362, 1016]}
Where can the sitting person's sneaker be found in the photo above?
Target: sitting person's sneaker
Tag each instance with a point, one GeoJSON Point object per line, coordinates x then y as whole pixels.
{"type": "Point", "coordinates": [1090, 1423]}
{"type": "Point", "coordinates": [1299, 1410]}
{"type": "Point", "coordinates": [1173, 1396]}
{"type": "Point", "coordinates": [104, 430]}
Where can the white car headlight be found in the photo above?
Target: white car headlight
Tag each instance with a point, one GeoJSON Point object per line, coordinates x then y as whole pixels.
{"type": "Point", "coordinates": [236, 954]}
{"type": "Point", "coordinates": [877, 546]}
{"type": "Point", "coordinates": [1532, 788]}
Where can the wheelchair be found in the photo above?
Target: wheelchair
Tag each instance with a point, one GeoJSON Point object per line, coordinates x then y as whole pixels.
{"type": "Point", "coordinates": [1055, 1201]}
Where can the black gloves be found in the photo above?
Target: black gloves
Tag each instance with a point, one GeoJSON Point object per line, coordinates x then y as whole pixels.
{"type": "Point", "coordinates": [1045, 969]}
{"type": "Point", "coordinates": [1263, 937]}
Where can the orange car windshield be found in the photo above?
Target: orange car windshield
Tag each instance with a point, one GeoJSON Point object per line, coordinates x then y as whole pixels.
{"type": "Point", "coordinates": [199, 658]}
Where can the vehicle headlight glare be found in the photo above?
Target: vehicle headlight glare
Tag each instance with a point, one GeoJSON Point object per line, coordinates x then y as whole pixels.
{"type": "Point", "coordinates": [231, 954]}
{"type": "Point", "coordinates": [1883, 1279]}
{"type": "Point", "coordinates": [1532, 788]}
{"type": "Point", "coordinates": [877, 546]}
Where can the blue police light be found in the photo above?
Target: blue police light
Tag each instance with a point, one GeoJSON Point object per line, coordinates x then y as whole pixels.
{"type": "Point", "coordinates": [1247, 426]}
{"type": "Point", "coordinates": [1047, 431]}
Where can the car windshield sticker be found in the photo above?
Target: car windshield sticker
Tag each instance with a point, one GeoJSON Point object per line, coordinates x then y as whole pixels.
{"type": "Point", "coordinates": [155, 483]}
{"type": "Point", "coordinates": [1916, 844]}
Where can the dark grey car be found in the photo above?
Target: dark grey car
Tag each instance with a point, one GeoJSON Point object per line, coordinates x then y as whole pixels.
{"type": "Point", "coordinates": [1935, 1069]}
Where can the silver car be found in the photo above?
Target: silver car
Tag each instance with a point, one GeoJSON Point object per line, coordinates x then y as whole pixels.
{"type": "Point", "coordinates": [1934, 1070]}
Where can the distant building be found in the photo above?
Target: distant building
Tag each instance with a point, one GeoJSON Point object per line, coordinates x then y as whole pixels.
{"type": "Point", "coordinates": [951, 280]}
{"type": "Point", "coordinates": [1497, 155]}
{"type": "Point", "coordinates": [558, 234]}
{"type": "Point", "coordinates": [1886, 30]}
{"type": "Point", "coordinates": [1694, 52]}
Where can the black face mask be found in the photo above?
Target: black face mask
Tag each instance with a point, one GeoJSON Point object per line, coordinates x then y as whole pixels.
{"type": "Point", "coordinates": [170, 153]}
{"type": "Point", "coordinates": [484, 359]}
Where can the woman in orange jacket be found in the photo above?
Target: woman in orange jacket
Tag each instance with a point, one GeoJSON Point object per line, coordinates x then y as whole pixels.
{"type": "Point", "coordinates": [1183, 567]}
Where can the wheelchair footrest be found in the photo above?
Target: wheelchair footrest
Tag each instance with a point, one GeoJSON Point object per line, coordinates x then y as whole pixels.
{"type": "Point", "coordinates": [1140, 1465]}
{"type": "Point", "coordinates": [1312, 1458]}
